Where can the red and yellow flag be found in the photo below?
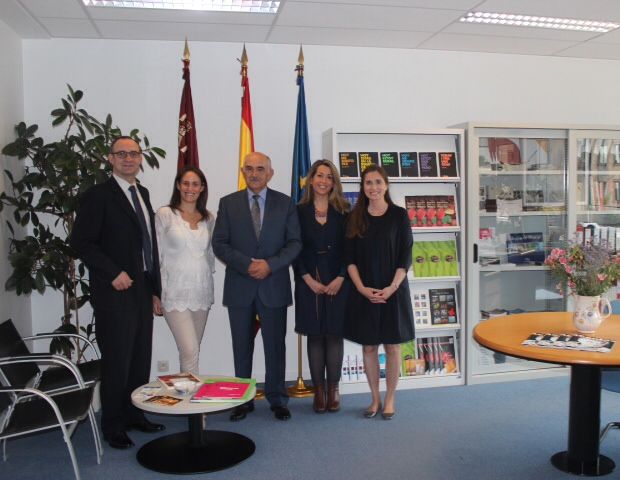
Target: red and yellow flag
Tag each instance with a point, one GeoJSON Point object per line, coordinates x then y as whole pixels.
{"type": "Point", "coordinates": [246, 134]}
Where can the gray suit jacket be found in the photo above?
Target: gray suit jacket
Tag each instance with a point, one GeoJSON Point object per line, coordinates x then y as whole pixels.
{"type": "Point", "coordinates": [235, 244]}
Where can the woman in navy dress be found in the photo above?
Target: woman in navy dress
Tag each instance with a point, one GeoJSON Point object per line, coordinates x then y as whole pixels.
{"type": "Point", "coordinates": [321, 287]}
{"type": "Point", "coordinates": [378, 254]}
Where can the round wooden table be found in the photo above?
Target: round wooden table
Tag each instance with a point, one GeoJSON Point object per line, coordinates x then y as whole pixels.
{"type": "Point", "coordinates": [198, 450]}
{"type": "Point", "coordinates": [506, 334]}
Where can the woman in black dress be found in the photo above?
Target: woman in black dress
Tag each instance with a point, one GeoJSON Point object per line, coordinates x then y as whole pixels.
{"type": "Point", "coordinates": [320, 286]}
{"type": "Point", "coordinates": [378, 254]}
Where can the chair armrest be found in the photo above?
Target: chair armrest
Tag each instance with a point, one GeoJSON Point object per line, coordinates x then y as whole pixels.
{"type": "Point", "coordinates": [29, 392]}
{"type": "Point", "coordinates": [42, 336]}
{"type": "Point", "coordinates": [46, 359]}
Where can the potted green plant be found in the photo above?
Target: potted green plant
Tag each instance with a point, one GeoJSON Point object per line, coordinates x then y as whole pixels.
{"type": "Point", "coordinates": [45, 200]}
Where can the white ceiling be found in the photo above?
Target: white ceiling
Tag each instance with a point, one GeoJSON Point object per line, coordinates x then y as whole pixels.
{"type": "Point", "coordinates": [423, 24]}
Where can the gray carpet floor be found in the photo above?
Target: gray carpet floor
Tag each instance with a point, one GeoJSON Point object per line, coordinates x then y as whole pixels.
{"type": "Point", "coordinates": [495, 431]}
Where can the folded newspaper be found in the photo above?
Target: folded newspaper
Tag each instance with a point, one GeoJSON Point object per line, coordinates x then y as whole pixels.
{"type": "Point", "coordinates": [568, 341]}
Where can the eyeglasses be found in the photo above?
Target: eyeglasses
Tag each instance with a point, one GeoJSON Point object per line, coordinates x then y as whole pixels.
{"type": "Point", "coordinates": [123, 154]}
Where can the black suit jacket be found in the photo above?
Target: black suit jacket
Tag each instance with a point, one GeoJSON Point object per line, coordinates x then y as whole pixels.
{"type": "Point", "coordinates": [235, 244]}
{"type": "Point", "coordinates": [107, 237]}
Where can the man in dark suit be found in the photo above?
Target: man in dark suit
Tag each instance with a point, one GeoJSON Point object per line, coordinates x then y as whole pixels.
{"type": "Point", "coordinates": [114, 234]}
{"type": "Point", "coordinates": [257, 236]}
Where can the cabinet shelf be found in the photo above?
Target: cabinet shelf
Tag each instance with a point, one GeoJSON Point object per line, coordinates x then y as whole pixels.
{"type": "Point", "coordinates": [408, 179]}
{"type": "Point", "coordinates": [437, 328]}
{"type": "Point", "coordinates": [546, 213]}
{"type": "Point", "coordinates": [513, 268]}
{"type": "Point", "coordinates": [435, 229]}
{"type": "Point", "coordinates": [413, 279]}
{"type": "Point", "coordinates": [489, 172]}
{"type": "Point", "coordinates": [614, 173]}
{"type": "Point", "coordinates": [614, 211]}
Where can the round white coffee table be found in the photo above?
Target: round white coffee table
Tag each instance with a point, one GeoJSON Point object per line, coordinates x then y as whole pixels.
{"type": "Point", "coordinates": [198, 450]}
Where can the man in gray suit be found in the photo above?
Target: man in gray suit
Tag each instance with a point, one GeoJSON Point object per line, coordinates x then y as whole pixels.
{"type": "Point", "coordinates": [257, 236]}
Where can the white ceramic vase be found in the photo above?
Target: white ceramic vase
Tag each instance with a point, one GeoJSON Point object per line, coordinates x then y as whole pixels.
{"type": "Point", "coordinates": [589, 312]}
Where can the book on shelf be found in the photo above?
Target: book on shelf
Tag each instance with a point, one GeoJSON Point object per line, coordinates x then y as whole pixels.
{"type": "Point", "coordinates": [434, 211]}
{"type": "Point", "coordinates": [435, 259]}
{"type": "Point", "coordinates": [428, 164]}
{"type": "Point", "coordinates": [443, 306]}
{"type": "Point", "coordinates": [496, 312]}
{"type": "Point", "coordinates": [525, 248]}
{"type": "Point", "coordinates": [389, 162]}
{"type": "Point", "coordinates": [409, 164]}
{"type": "Point", "coordinates": [421, 307]}
{"type": "Point", "coordinates": [411, 363]}
{"type": "Point", "coordinates": [438, 354]}
{"type": "Point", "coordinates": [165, 400]}
{"type": "Point", "coordinates": [348, 164]}
{"type": "Point", "coordinates": [224, 390]}
{"type": "Point", "coordinates": [447, 164]}
{"type": "Point", "coordinates": [167, 381]}
{"type": "Point", "coordinates": [367, 159]}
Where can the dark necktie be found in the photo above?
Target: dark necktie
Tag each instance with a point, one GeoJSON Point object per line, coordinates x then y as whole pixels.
{"type": "Point", "coordinates": [256, 215]}
{"type": "Point", "coordinates": [146, 239]}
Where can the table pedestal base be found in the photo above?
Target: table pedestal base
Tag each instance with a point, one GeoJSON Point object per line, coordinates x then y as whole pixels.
{"type": "Point", "coordinates": [603, 466]}
{"type": "Point", "coordinates": [177, 453]}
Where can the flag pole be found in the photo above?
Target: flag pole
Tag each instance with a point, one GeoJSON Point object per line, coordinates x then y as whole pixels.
{"type": "Point", "coordinates": [246, 145]}
{"type": "Point", "coordinates": [300, 390]}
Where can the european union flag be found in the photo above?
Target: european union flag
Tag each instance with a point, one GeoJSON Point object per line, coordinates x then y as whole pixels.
{"type": "Point", "coordinates": [301, 149]}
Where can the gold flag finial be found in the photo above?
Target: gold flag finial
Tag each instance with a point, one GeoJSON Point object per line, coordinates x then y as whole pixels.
{"type": "Point", "coordinates": [300, 63]}
{"type": "Point", "coordinates": [300, 59]}
{"type": "Point", "coordinates": [244, 57]}
{"type": "Point", "coordinates": [186, 51]}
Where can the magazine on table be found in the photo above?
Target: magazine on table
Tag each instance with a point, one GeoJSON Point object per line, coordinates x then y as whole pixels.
{"type": "Point", "coordinates": [168, 380]}
{"type": "Point", "coordinates": [224, 390]}
{"type": "Point", "coordinates": [568, 341]}
{"type": "Point", "coordinates": [165, 400]}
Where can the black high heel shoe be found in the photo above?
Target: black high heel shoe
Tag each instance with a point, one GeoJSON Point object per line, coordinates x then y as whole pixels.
{"type": "Point", "coordinates": [371, 413]}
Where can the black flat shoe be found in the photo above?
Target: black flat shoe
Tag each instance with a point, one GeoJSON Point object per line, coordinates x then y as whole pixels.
{"type": "Point", "coordinates": [388, 416]}
{"type": "Point", "coordinates": [146, 426]}
{"type": "Point", "coordinates": [371, 413]}
{"type": "Point", "coordinates": [281, 412]}
{"type": "Point", "coordinates": [119, 440]}
{"type": "Point", "coordinates": [241, 411]}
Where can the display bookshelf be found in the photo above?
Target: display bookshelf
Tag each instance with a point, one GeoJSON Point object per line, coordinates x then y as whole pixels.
{"type": "Point", "coordinates": [432, 339]}
{"type": "Point", "coordinates": [529, 187]}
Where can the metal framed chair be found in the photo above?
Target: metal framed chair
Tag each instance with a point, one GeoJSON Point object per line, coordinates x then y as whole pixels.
{"type": "Point", "coordinates": [54, 379]}
{"type": "Point", "coordinates": [26, 410]}
{"type": "Point", "coordinates": [610, 378]}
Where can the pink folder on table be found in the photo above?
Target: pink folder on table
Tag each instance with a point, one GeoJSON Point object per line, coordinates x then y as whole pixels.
{"type": "Point", "coordinates": [221, 391]}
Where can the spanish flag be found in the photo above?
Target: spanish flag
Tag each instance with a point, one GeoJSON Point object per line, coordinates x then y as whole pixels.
{"type": "Point", "coordinates": [246, 134]}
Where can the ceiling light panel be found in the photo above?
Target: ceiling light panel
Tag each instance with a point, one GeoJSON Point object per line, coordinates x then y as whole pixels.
{"type": "Point", "coordinates": [508, 19]}
{"type": "Point", "coordinates": [251, 6]}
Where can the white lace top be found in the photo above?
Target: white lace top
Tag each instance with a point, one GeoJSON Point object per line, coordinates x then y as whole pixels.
{"type": "Point", "coordinates": [187, 261]}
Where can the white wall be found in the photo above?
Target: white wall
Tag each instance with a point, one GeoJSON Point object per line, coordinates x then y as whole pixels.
{"type": "Point", "coordinates": [139, 82]}
{"type": "Point", "coordinates": [11, 112]}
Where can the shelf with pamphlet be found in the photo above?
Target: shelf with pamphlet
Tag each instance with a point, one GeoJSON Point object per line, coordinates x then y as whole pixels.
{"type": "Point", "coordinates": [432, 160]}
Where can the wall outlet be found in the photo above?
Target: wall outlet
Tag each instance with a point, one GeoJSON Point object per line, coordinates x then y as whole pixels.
{"type": "Point", "coordinates": [163, 365]}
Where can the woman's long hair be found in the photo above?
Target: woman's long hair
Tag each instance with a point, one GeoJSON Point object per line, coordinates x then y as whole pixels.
{"type": "Point", "coordinates": [358, 219]}
{"type": "Point", "coordinates": [336, 198]}
{"type": "Point", "coordinates": [201, 202]}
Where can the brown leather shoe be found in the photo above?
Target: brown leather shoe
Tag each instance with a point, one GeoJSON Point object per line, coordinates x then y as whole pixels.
{"type": "Point", "coordinates": [319, 398]}
{"type": "Point", "coordinates": [333, 397]}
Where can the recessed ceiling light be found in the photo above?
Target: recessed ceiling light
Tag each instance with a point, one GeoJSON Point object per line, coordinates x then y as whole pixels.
{"type": "Point", "coordinates": [491, 18]}
{"type": "Point", "coordinates": [252, 6]}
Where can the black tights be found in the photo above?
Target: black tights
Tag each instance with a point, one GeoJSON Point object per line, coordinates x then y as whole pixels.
{"type": "Point", "coordinates": [325, 354]}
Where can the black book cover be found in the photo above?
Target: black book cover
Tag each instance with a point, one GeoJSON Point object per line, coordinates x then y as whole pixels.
{"type": "Point", "coordinates": [428, 164]}
{"type": "Point", "coordinates": [447, 164]}
{"type": "Point", "coordinates": [389, 162]}
{"type": "Point", "coordinates": [367, 159]}
{"type": "Point", "coordinates": [443, 306]}
{"type": "Point", "coordinates": [409, 164]}
{"type": "Point", "coordinates": [348, 164]}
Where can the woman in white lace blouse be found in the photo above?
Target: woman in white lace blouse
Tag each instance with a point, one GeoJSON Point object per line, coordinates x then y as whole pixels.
{"type": "Point", "coordinates": [184, 231]}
